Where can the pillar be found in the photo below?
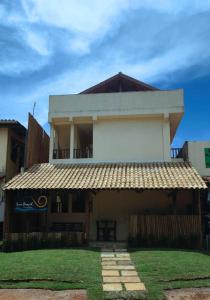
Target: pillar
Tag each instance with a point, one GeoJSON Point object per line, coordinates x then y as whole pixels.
{"type": "Point", "coordinates": [72, 141]}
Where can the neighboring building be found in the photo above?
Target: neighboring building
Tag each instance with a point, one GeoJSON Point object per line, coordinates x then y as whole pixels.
{"type": "Point", "coordinates": [198, 153]}
{"type": "Point", "coordinates": [19, 147]}
{"type": "Point", "coordinates": [12, 146]}
{"type": "Point", "coordinates": [112, 175]}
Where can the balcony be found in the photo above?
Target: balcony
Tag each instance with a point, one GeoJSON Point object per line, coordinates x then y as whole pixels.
{"type": "Point", "coordinates": [78, 153]}
{"type": "Point", "coordinates": [83, 153]}
{"type": "Point", "coordinates": [178, 153]}
{"type": "Point", "coordinates": [61, 153]}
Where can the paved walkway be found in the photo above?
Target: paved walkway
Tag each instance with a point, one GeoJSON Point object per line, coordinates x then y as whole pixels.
{"type": "Point", "coordinates": [119, 273]}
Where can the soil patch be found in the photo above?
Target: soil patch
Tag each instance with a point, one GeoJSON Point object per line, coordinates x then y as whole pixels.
{"type": "Point", "coordinates": [188, 294]}
{"type": "Point", "coordinates": [37, 294]}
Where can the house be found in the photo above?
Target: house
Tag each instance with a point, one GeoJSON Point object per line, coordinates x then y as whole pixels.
{"type": "Point", "coordinates": [12, 147]}
{"type": "Point", "coordinates": [112, 175]}
{"type": "Point", "coordinates": [19, 148]}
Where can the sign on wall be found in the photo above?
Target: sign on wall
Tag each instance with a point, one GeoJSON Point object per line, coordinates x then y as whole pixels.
{"type": "Point", "coordinates": [29, 203]}
{"type": "Point", "coordinates": [207, 157]}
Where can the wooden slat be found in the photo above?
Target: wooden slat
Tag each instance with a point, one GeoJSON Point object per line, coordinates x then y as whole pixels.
{"type": "Point", "coordinates": [170, 227]}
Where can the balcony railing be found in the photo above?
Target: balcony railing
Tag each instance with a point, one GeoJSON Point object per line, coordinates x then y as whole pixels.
{"type": "Point", "coordinates": [61, 153]}
{"type": "Point", "coordinates": [83, 153]}
{"type": "Point", "coordinates": [177, 153]}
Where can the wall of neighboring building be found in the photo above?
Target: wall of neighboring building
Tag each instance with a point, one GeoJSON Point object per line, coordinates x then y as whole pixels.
{"type": "Point", "coordinates": [196, 155]}
{"type": "Point", "coordinates": [15, 143]}
{"type": "Point", "coordinates": [3, 148]}
{"type": "Point", "coordinates": [3, 162]}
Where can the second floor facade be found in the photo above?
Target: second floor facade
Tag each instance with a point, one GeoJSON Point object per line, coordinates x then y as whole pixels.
{"type": "Point", "coordinates": [104, 125]}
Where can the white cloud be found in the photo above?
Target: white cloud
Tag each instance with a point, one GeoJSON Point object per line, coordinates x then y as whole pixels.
{"type": "Point", "coordinates": [78, 16]}
{"type": "Point", "coordinates": [37, 41]}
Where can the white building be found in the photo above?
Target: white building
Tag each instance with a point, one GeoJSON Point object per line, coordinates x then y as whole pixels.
{"type": "Point", "coordinates": [111, 167]}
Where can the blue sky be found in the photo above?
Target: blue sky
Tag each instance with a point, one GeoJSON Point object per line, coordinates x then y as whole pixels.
{"type": "Point", "coordinates": [64, 46]}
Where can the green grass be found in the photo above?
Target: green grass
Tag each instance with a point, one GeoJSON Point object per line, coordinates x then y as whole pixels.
{"type": "Point", "coordinates": [81, 269]}
{"type": "Point", "coordinates": [155, 267]}
{"type": "Point", "coordinates": [70, 268]}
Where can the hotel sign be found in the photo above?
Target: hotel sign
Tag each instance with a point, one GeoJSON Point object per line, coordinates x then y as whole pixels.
{"type": "Point", "coordinates": [30, 204]}
{"type": "Point", "coordinates": [207, 157]}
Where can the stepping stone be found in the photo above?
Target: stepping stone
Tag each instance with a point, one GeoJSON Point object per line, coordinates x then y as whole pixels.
{"type": "Point", "coordinates": [111, 254]}
{"type": "Point", "coordinates": [122, 255]}
{"type": "Point", "coordinates": [112, 287]}
{"type": "Point", "coordinates": [135, 286]}
{"type": "Point", "coordinates": [110, 279]}
{"type": "Point", "coordinates": [121, 250]}
{"type": "Point", "coordinates": [129, 279]}
{"type": "Point", "coordinates": [109, 263]}
{"type": "Point", "coordinates": [129, 273]}
{"type": "Point", "coordinates": [110, 273]}
{"type": "Point", "coordinates": [118, 268]}
{"type": "Point", "coordinates": [115, 258]}
{"type": "Point", "coordinates": [126, 263]}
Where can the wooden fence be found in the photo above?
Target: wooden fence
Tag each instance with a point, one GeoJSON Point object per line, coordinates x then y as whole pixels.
{"type": "Point", "coordinates": [35, 240]}
{"type": "Point", "coordinates": [169, 230]}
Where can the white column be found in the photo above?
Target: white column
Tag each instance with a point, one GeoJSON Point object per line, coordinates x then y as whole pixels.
{"type": "Point", "coordinates": [51, 142]}
{"type": "Point", "coordinates": [166, 138]}
{"type": "Point", "coordinates": [72, 141]}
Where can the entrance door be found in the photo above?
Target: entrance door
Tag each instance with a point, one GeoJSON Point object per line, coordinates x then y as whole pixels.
{"type": "Point", "coordinates": [106, 230]}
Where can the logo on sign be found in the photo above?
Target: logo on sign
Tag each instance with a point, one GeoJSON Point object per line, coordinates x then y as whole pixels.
{"type": "Point", "coordinates": [29, 203]}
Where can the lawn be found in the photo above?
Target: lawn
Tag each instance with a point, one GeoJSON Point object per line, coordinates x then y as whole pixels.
{"type": "Point", "coordinates": [56, 269]}
{"type": "Point", "coordinates": [163, 269]}
{"type": "Point", "coordinates": [81, 268]}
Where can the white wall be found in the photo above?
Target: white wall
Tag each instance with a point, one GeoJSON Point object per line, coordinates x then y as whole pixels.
{"type": "Point", "coordinates": [129, 140]}
{"type": "Point", "coordinates": [196, 156]}
{"type": "Point", "coordinates": [109, 104]}
{"type": "Point", "coordinates": [3, 148]}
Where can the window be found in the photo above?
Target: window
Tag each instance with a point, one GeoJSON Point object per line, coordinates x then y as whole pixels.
{"type": "Point", "coordinates": [78, 202]}
{"type": "Point", "coordinates": [60, 202]}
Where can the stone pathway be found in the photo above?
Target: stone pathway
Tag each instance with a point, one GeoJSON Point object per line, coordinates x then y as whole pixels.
{"type": "Point", "coordinates": [119, 273]}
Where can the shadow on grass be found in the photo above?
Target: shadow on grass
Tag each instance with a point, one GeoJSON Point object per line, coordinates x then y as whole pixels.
{"type": "Point", "coordinates": [132, 250]}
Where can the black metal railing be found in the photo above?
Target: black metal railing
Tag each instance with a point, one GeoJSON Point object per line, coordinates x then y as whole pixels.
{"type": "Point", "coordinates": [177, 153]}
{"type": "Point", "coordinates": [83, 153]}
{"type": "Point", "coordinates": [61, 153]}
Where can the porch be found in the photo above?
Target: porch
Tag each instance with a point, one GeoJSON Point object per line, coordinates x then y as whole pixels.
{"type": "Point", "coordinates": [75, 218]}
{"type": "Point", "coordinates": [144, 204]}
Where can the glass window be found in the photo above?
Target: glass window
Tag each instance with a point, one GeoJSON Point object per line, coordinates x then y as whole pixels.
{"type": "Point", "coordinates": [60, 202]}
{"type": "Point", "coordinates": [78, 202]}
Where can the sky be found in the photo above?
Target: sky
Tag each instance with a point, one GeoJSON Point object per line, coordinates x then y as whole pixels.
{"type": "Point", "coordinates": [64, 46]}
